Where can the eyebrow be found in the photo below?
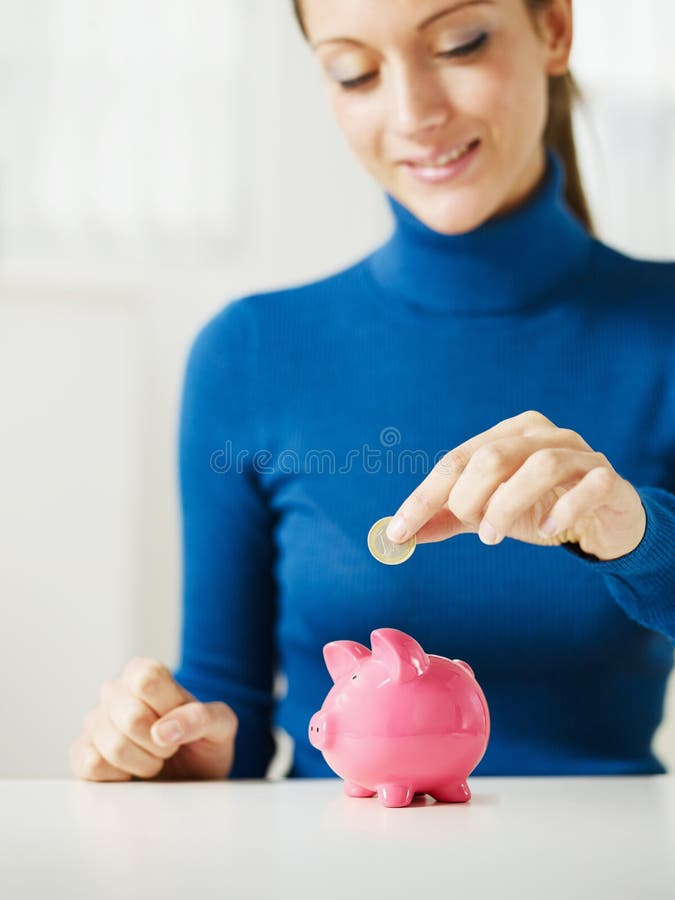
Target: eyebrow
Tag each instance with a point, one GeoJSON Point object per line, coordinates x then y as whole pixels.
{"type": "Point", "coordinates": [420, 27]}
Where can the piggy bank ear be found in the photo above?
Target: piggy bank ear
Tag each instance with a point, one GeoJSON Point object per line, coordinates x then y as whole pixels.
{"type": "Point", "coordinates": [402, 655]}
{"type": "Point", "coordinates": [342, 656]}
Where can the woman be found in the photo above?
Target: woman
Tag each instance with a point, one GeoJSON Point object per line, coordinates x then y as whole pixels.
{"type": "Point", "coordinates": [491, 370]}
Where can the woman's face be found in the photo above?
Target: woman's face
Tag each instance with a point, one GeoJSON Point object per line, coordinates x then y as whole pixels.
{"type": "Point", "coordinates": [438, 77]}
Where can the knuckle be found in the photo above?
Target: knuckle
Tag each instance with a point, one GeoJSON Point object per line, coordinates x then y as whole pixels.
{"type": "Point", "coordinates": [488, 459]}
{"type": "Point", "coordinates": [199, 715]}
{"type": "Point", "coordinates": [568, 436]}
{"type": "Point", "coordinates": [545, 462]}
{"type": "Point", "coordinates": [94, 765]}
{"type": "Point", "coordinates": [118, 751]}
{"type": "Point", "coordinates": [532, 418]}
{"type": "Point", "coordinates": [227, 713]}
{"type": "Point", "coordinates": [153, 768]}
{"type": "Point", "coordinates": [139, 664]}
{"type": "Point", "coordinates": [563, 510]}
{"type": "Point", "coordinates": [421, 499]}
{"type": "Point", "coordinates": [136, 662]}
{"type": "Point", "coordinates": [147, 676]}
{"type": "Point", "coordinates": [234, 720]}
{"type": "Point", "coordinates": [604, 478]}
{"type": "Point", "coordinates": [452, 463]}
{"type": "Point", "coordinates": [135, 719]}
{"type": "Point", "coordinates": [85, 761]}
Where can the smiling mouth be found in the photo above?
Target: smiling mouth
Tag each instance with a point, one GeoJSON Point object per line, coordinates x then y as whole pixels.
{"type": "Point", "coordinates": [445, 159]}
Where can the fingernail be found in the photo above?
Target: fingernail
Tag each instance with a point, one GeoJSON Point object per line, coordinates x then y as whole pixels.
{"type": "Point", "coordinates": [169, 731]}
{"type": "Point", "coordinates": [396, 529]}
{"type": "Point", "coordinates": [487, 532]}
{"type": "Point", "coordinates": [548, 526]}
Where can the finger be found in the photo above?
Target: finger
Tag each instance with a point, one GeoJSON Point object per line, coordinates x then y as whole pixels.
{"type": "Point", "coordinates": [214, 722]}
{"type": "Point", "coordinates": [151, 681]}
{"type": "Point", "coordinates": [440, 527]}
{"type": "Point", "coordinates": [432, 493]}
{"type": "Point", "coordinates": [119, 751]}
{"type": "Point", "coordinates": [132, 717]}
{"type": "Point", "coordinates": [86, 762]}
{"type": "Point", "coordinates": [538, 476]}
{"type": "Point", "coordinates": [495, 463]}
{"type": "Point", "coordinates": [595, 489]}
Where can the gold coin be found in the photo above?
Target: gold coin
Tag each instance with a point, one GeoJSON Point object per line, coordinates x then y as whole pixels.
{"type": "Point", "coordinates": [386, 551]}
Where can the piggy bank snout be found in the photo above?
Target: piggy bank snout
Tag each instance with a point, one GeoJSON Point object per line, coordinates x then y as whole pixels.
{"type": "Point", "coordinates": [318, 730]}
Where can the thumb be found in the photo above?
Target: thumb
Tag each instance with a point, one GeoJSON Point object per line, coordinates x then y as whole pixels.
{"type": "Point", "coordinates": [215, 722]}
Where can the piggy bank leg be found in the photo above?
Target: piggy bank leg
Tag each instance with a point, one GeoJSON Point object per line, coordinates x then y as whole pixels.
{"type": "Point", "coordinates": [352, 789]}
{"type": "Point", "coordinates": [395, 794]}
{"type": "Point", "coordinates": [452, 792]}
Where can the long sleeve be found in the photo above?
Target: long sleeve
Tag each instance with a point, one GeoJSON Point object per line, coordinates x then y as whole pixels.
{"type": "Point", "coordinates": [351, 383]}
{"type": "Point", "coordinates": [228, 648]}
{"type": "Point", "coordinates": [643, 581]}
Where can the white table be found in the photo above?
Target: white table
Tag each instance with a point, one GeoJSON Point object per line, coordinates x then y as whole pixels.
{"type": "Point", "coordinates": [543, 838]}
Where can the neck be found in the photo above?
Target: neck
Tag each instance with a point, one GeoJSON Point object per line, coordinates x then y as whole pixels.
{"type": "Point", "coordinates": [512, 262]}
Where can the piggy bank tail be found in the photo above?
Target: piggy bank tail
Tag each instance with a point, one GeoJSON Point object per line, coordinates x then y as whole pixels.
{"type": "Point", "coordinates": [466, 666]}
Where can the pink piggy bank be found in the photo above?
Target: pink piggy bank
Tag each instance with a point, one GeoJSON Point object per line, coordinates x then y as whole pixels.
{"type": "Point", "coordinates": [399, 721]}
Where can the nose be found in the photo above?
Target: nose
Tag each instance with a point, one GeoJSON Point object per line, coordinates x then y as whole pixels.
{"type": "Point", "coordinates": [317, 730]}
{"type": "Point", "coordinates": [418, 101]}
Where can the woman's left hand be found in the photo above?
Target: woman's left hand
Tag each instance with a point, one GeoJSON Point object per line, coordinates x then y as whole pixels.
{"type": "Point", "coordinates": [527, 479]}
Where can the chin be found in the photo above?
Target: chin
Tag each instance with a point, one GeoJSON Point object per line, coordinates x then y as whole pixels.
{"type": "Point", "coordinates": [448, 210]}
{"type": "Point", "coordinates": [451, 217]}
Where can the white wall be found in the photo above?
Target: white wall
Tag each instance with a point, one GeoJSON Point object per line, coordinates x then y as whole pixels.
{"type": "Point", "coordinates": [95, 320]}
{"type": "Point", "coordinates": [623, 60]}
{"type": "Point", "coordinates": [622, 56]}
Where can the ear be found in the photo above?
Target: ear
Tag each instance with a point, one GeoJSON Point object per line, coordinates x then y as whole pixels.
{"type": "Point", "coordinates": [342, 656]}
{"type": "Point", "coordinates": [402, 655]}
{"type": "Point", "coordinates": [556, 28]}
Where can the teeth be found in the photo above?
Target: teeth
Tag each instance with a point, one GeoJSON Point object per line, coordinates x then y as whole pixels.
{"type": "Point", "coordinates": [447, 158]}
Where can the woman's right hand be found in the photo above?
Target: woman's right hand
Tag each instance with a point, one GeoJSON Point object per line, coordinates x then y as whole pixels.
{"type": "Point", "coordinates": [122, 738]}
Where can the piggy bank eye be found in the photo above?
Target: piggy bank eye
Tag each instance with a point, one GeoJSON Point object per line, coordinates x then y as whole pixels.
{"type": "Point", "coordinates": [353, 677]}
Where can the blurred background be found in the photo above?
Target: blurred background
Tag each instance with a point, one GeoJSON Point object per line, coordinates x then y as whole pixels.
{"type": "Point", "coordinates": [158, 159]}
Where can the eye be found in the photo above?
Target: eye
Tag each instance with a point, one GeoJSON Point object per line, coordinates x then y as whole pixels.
{"type": "Point", "coordinates": [467, 49]}
{"type": "Point", "coordinates": [463, 50]}
{"type": "Point", "coordinates": [353, 677]}
{"type": "Point", "coordinates": [352, 83]}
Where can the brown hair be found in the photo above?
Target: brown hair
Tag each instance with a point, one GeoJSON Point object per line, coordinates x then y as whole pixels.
{"type": "Point", "coordinates": [563, 91]}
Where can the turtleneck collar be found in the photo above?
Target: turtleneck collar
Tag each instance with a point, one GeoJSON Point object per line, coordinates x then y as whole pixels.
{"type": "Point", "coordinates": [509, 263]}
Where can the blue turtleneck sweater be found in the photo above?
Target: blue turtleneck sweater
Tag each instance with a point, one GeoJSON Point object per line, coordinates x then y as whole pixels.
{"type": "Point", "coordinates": [312, 411]}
